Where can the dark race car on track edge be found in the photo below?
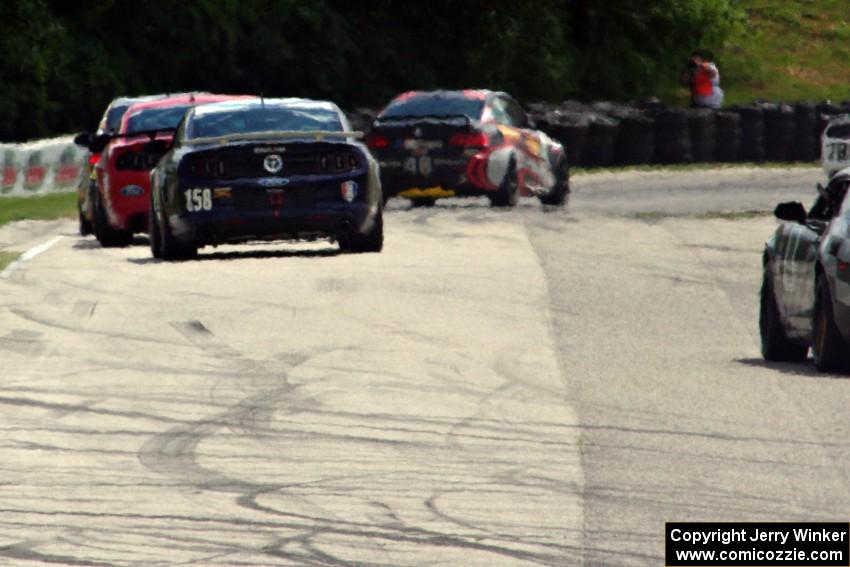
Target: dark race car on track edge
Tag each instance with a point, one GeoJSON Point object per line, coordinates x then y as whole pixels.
{"type": "Point", "coordinates": [265, 169]}
{"type": "Point", "coordinates": [473, 142]}
{"type": "Point", "coordinates": [805, 294]}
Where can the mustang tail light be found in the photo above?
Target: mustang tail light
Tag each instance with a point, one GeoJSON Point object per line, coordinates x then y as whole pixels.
{"type": "Point", "coordinates": [475, 139]}
{"type": "Point", "coordinates": [377, 141]}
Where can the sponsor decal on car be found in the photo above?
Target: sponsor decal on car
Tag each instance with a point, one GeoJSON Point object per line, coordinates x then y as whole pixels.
{"type": "Point", "coordinates": [273, 181]}
{"type": "Point", "coordinates": [429, 192]}
{"type": "Point", "coordinates": [270, 150]}
{"type": "Point", "coordinates": [132, 191]}
{"type": "Point", "coordinates": [273, 163]}
{"type": "Point", "coordinates": [348, 190]}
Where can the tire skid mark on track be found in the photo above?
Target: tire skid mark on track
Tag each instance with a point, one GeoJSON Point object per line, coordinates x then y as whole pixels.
{"type": "Point", "coordinates": [23, 341]}
{"type": "Point", "coordinates": [173, 453]}
{"type": "Point", "coordinates": [32, 317]}
{"type": "Point", "coordinates": [84, 309]}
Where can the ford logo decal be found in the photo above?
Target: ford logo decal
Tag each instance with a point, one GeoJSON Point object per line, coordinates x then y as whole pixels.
{"type": "Point", "coordinates": [273, 181]}
{"type": "Point", "coordinates": [132, 191]}
{"type": "Point", "coordinates": [273, 163]}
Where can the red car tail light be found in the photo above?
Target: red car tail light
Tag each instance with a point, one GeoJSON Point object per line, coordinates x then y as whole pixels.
{"type": "Point", "coordinates": [476, 139]}
{"type": "Point", "coordinates": [377, 142]}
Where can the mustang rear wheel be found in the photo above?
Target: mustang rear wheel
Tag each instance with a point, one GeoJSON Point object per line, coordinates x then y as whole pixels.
{"type": "Point", "coordinates": [828, 346]}
{"type": "Point", "coordinates": [153, 234]}
{"type": "Point", "coordinates": [508, 193]}
{"type": "Point", "coordinates": [372, 241]}
{"type": "Point", "coordinates": [170, 248]}
{"type": "Point", "coordinates": [775, 344]}
{"type": "Point", "coordinates": [105, 234]}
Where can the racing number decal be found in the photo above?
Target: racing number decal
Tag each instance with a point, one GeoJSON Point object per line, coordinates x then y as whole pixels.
{"type": "Point", "coordinates": [837, 151]}
{"type": "Point", "coordinates": [198, 200]}
{"type": "Point", "coordinates": [422, 165]}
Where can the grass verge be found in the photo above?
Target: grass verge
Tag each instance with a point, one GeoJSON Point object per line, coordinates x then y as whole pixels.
{"type": "Point", "coordinates": [7, 258]}
{"type": "Point", "coordinates": [47, 207]}
{"type": "Point", "coordinates": [788, 50]}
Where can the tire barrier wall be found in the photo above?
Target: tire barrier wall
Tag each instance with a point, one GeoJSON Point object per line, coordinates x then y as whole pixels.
{"type": "Point", "coordinates": [41, 167]}
{"type": "Point", "coordinates": [652, 133]}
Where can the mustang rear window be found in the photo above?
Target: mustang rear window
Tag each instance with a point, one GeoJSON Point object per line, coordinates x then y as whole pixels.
{"type": "Point", "coordinates": [435, 105]}
{"type": "Point", "coordinates": [258, 119]}
{"type": "Point", "coordinates": [156, 119]}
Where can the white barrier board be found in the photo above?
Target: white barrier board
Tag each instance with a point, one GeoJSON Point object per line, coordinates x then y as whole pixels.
{"type": "Point", "coordinates": [41, 167]}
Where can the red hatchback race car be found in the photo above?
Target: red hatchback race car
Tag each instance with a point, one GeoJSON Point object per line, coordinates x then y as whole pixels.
{"type": "Point", "coordinates": [472, 142]}
{"type": "Point", "coordinates": [122, 174]}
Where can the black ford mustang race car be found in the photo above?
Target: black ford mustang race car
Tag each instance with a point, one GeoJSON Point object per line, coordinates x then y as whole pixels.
{"type": "Point", "coordinates": [473, 142]}
{"type": "Point", "coordinates": [264, 169]}
{"type": "Point", "coordinates": [805, 295]}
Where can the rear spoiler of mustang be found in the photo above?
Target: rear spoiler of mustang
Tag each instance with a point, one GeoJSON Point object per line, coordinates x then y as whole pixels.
{"type": "Point", "coordinates": [317, 135]}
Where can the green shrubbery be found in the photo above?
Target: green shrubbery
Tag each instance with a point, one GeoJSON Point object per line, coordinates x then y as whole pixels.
{"type": "Point", "coordinates": [63, 61]}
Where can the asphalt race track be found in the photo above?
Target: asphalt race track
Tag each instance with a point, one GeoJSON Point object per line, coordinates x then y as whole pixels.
{"type": "Point", "coordinates": [520, 387]}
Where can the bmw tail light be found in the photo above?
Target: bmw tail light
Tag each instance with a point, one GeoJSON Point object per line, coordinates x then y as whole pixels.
{"type": "Point", "coordinates": [476, 139]}
{"type": "Point", "coordinates": [377, 142]}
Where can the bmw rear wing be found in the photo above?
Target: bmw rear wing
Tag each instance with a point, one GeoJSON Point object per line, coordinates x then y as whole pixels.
{"type": "Point", "coordinates": [420, 117]}
{"type": "Point", "coordinates": [835, 145]}
{"type": "Point", "coordinates": [317, 135]}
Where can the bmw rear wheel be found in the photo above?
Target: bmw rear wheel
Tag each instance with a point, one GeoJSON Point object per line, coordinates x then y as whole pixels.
{"type": "Point", "coordinates": [775, 344]}
{"type": "Point", "coordinates": [423, 202]}
{"type": "Point", "coordinates": [508, 193]}
{"type": "Point", "coordinates": [558, 195]}
{"type": "Point", "coordinates": [829, 348]}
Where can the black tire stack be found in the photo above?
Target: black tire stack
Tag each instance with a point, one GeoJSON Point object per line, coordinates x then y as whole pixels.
{"type": "Point", "coordinates": [779, 125]}
{"type": "Point", "coordinates": [702, 127]}
{"type": "Point", "coordinates": [672, 136]}
{"type": "Point", "coordinates": [727, 136]}
{"type": "Point", "coordinates": [805, 142]}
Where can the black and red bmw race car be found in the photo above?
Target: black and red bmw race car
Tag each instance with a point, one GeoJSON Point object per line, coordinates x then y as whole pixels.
{"type": "Point", "coordinates": [472, 142]}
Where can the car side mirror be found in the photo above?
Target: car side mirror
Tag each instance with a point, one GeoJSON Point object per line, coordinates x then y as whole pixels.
{"type": "Point", "coordinates": [157, 147]}
{"type": "Point", "coordinates": [791, 211]}
{"type": "Point", "coordinates": [84, 139]}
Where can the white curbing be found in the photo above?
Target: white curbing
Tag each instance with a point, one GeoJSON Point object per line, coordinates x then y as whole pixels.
{"type": "Point", "coordinates": [28, 255]}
